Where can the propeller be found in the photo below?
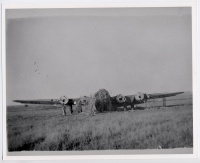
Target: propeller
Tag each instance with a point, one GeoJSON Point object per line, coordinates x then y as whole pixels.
{"type": "Point", "coordinates": [139, 96]}
{"type": "Point", "coordinates": [84, 101]}
{"type": "Point", "coordinates": [120, 98]}
{"type": "Point", "coordinates": [63, 100]}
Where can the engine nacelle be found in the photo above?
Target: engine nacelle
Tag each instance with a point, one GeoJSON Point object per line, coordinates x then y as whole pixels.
{"type": "Point", "coordinates": [140, 97]}
{"type": "Point", "coordinates": [120, 98]}
{"type": "Point", "coordinates": [84, 101]}
{"type": "Point", "coordinates": [63, 100]}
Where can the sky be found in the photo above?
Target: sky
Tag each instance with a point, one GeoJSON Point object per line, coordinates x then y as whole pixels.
{"type": "Point", "coordinates": [76, 52]}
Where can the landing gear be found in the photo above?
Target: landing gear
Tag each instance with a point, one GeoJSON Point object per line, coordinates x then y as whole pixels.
{"type": "Point", "coordinates": [125, 107]}
{"type": "Point", "coordinates": [71, 110]}
{"type": "Point", "coordinates": [64, 108]}
{"type": "Point", "coordinates": [132, 107]}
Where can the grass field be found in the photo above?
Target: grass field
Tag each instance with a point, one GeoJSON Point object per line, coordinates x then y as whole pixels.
{"type": "Point", "coordinates": [44, 128]}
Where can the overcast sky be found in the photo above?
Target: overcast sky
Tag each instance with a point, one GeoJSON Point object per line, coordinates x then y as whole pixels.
{"type": "Point", "coordinates": [74, 52]}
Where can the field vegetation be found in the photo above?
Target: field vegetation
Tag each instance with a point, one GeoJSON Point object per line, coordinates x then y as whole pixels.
{"type": "Point", "coordinates": [44, 128]}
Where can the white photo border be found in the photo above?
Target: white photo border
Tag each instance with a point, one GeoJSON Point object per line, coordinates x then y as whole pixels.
{"type": "Point", "coordinates": [193, 5]}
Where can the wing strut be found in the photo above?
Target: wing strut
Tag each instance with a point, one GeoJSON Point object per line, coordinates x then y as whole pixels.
{"type": "Point", "coordinates": [164, 102]}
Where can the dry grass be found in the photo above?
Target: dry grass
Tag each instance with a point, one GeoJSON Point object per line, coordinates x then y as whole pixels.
{"type": "Point", "coordinates": [44, 128]}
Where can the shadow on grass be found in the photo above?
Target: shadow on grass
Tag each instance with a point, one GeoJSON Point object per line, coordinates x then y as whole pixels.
{"type": "Point", "coordinates": [27, 146]}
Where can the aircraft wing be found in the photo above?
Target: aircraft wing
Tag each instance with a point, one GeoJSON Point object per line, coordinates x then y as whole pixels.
{"type": "Point", "coordinates": [47, 102]}
{"type": "Point", "coordinates": [162, 95]}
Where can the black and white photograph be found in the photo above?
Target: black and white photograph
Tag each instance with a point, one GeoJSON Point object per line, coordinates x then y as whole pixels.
{"type": "Point", "coordinates": [99, 80]}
